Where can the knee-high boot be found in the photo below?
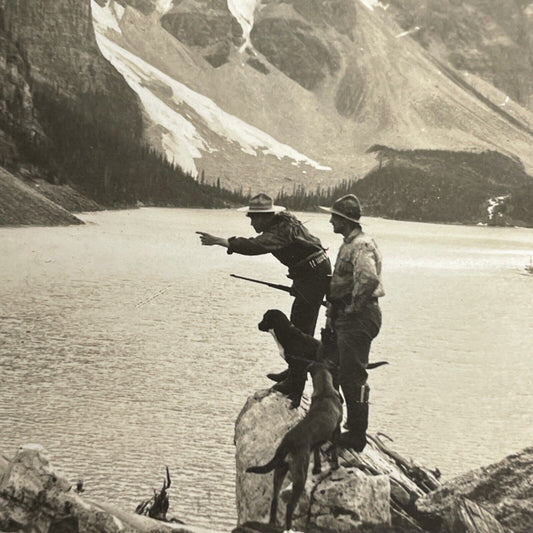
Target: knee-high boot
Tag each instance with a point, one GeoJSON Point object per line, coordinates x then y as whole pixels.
{"type": "Point", "coordinates": [357, 420]}
{"type": "Point", "coordinates": [293, 385]}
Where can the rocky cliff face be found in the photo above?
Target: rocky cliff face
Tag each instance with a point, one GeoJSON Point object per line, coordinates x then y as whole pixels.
{"type": "Point", "coordinates": [56, 43]}
{"type": "Point", "coordinates": [16, 103]}
{"type": "Point", "coordinates": [289, 41]}
{"type": "Point", "coordinates": [207, 26]}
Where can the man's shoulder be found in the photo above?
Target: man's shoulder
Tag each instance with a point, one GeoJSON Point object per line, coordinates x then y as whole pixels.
{"type": "Point", "coordinates": [364, 238]}
{"type": "Point", "coordinates": [286, 217]}
{"type": "Point", "coordinates": [361, 240]}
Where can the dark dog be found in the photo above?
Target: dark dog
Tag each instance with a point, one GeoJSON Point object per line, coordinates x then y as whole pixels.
{"type": "Point", "coordinates": [320, 424]}
{"type": "Point", "coordinates": [291, 341]}
{"type": "Point", "coordinates": [302, 347]}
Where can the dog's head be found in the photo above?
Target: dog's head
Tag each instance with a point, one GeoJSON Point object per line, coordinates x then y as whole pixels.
{"type": "Point", "coordinates": [321, 374]}
{"type": "Point", "coordinates": [272, 319]}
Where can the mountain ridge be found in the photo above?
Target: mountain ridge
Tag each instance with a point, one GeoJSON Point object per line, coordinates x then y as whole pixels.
{"type": "Point", "coordinates": [341, 146]}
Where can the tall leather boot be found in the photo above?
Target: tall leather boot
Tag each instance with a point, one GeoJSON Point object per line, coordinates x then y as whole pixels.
{"type": "Point", "coordinates": [278, 377]}
{"type": "Point", "coordinates": [357, 421]}
{"type": "Point", "coordinates": [293, 385]}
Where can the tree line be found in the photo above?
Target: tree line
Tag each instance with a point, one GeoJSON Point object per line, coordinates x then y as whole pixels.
{"type": "Point", "coordinates": [113, 168]}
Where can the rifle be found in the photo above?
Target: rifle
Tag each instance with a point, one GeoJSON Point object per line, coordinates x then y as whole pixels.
{"type": "Point", "coordinates": [276, 286]}
{"type": "Point", "coordinates": [284, 288]}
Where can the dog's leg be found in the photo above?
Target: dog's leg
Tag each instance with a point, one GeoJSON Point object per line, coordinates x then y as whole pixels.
{"type": "Point", "coordinates": [334, 452]}
{"type": "Point", "coordinates": [317, 462]}
{"type": "Point", "coordinates": [298, 467]}
{"type": "Point", "coordinates": [279, 475]}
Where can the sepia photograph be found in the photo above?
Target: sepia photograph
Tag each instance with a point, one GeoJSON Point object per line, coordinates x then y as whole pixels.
{"type": "Point", "coordinates": [266, 266]}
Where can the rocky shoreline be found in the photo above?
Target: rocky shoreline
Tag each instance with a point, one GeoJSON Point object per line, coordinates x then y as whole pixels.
{"type": "Point", "coordinates": [375, 490]}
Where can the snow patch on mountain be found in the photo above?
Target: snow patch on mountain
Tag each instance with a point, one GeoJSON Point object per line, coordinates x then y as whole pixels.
{"type": "Point", "coordinates": [182, 141]}
{"type": "Point", "coordinates": [243, 11]}
{"type": "Point", "coordinates": [107, 17]}
{"type": "Point", "coordinates": [371, 4]}
{"type": "Point", "coordinates": [163, 6]}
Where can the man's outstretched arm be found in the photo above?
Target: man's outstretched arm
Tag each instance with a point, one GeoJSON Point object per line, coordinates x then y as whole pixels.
{"type": "Point", "coordinates": [212, 240]}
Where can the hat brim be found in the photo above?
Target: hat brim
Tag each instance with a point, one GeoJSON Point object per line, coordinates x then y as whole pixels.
{"type": "Point", "coordinates": [338, 213]}
{"type": "Point", "coordinates": [272, 209]}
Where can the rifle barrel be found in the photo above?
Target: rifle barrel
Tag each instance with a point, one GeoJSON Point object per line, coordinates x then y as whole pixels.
{"type": "Point", "coordinates": [285, 288]}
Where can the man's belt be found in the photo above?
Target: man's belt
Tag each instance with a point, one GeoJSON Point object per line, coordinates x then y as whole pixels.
{"type": "Point", "coordinates": [340, 303]}
{"type": "Point", "coordinates": [308, 264]}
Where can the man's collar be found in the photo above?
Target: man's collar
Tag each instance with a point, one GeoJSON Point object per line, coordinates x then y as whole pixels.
{"type": "Point", "coordinates": [353, 235]}
{"type": "Point", "coordinates": [275, 220]}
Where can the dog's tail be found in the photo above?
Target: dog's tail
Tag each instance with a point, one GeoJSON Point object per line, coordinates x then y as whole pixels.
{"type": "Point", "coordinates": [263, 469]}
{"type": "Point", "coordinates": [376, 365]}
{"type": "Point", "coordinates": [276, 461]}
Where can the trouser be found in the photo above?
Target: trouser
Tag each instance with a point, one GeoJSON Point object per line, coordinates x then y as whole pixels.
{"type": "Point", "coordinates": [309, 291]}
{"type": "Point", "coordinates": [355, 333]}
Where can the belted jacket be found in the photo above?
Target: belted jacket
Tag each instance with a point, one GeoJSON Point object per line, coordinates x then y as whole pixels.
{"type": "Point", "coordinates": [286, 238]}
{"type": "Point", "coordinates": [356, 277]}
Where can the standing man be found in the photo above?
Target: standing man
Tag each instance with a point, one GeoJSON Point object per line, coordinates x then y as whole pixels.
{"type": "Point", "coordinates": [354, 312]}
{"type": "Point", "coordinates": [289, 241]}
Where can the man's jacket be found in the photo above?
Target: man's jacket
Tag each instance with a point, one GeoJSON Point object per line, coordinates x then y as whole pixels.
{"type": "Point", "coordinates": [356, 278]}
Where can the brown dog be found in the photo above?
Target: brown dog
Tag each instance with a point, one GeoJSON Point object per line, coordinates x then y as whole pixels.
{"type": "Point", "coordinates": [320, 424]}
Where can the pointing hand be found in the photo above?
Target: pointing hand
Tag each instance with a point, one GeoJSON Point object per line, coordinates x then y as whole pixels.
{"type": "Point", "coordinates": [206, 238]}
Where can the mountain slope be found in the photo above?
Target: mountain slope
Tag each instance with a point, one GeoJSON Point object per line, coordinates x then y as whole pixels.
{"type": "Point", "coordinates": [23, 205]}
{"type": "Point", "coordinates": [326, 79]}
{"type": "Point", "coordinates": [492, 39]}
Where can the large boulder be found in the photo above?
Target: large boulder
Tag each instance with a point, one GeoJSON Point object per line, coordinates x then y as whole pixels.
{"type": "Point", "coordinates": [34, 498]}
{"type": "Point", "coordinates": [259, 428]}
{"type": "Point", "coordinates": [343, 500]}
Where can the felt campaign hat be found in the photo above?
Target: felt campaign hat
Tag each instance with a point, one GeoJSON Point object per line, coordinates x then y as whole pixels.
{"type": "Point", "coordinates": [261, 203]}
{"type": "Point", "coordinates": [347, 207]}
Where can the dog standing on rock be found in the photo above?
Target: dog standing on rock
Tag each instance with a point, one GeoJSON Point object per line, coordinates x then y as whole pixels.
{"type": "Point", "coordinates": [320, 424]}
{"type": "Point", "coordinates": [302, 349]}
{"type": "Point", "coordinates": [295, 347]}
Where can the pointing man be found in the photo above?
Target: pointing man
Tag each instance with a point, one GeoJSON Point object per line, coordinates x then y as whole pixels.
{"type": "Point", "coordinates": [354, 312]}
{"type": "Point", "coordinates": [289, 241]}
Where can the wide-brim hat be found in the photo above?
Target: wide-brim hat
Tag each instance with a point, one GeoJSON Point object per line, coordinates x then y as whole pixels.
{"type": "Point", "coordinates": [347, 207]}
{"type": "Point", "coordinates": [261, 203]}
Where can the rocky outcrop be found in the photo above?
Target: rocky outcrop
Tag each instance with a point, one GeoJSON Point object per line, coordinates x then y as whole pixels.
{"type": "Point", "coordinates": [144, 6]}
{"type": "Point", "coordinates": [34, 498]}
{"type": "Point", "coordinates": [293, 37]}
{"type": "Point", "coordinates": [504, 489]}
{"type": "Point", "coordinates": [376, 490]}
{"type": "Point", "coordinates": [292, 47]}
{"type": "Point", "coordinates": [207, 26]}
{"type": "Point", "coordinates": [352, 498]}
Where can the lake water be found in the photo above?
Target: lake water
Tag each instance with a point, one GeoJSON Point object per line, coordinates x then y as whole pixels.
{"type": "Point", "coordinates": [126, 346]}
